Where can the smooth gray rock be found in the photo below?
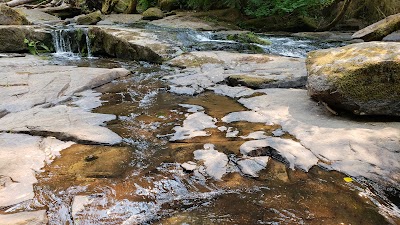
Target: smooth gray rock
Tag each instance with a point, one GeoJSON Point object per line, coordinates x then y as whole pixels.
{"type": "Point", "coordinates": [30, 81]}
{"type": "Point", "coordinates": [253, 70]}
{"type": "Point", "coordinates": [64, 122]}
{"type": "Point", "coordinates": [35, 16]}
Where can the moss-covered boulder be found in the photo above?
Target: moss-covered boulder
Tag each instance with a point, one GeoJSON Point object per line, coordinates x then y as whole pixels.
{"type": "Point", "coordinates": [9, 16]}
{"type": "Point", "coordinates": [89, 19]}
{"type": "Point", "coordinates": [153, 14]}
{"type": "Point", "coordinates": [125, 6]}
{"type": "Point", "coordinates": [363, 78]}
{"type": "Point", "coordinates": [380, 29]}
{"type": "Point", "coordinates": [106, 43]}
{"type": "Point", "coordinates": [12, 38]}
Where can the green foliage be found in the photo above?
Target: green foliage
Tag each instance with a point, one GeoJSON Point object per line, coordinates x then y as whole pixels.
{"type": "Point", "coordinates": [145, 4]}
{"type": "Point", "coordinates": [260, 8]}
{"type": "Point", "coordinates": [200, 4]}
{"type": "Point", "coordinates": [34, 47]}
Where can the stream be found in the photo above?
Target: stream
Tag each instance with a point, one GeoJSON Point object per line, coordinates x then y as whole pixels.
{"type": "Point", "coordinates": [154, 178]}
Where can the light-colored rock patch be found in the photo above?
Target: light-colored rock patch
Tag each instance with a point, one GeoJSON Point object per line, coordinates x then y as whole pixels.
{"type": "Point", "coordinates": [369, 149]}
{"type": "Point", "coordinates": [215, 162]}
{"type": "Point", "coordinates": [194, 124]}
{"type": "Point", "coordinates": [253, 165]}
{"type": "Point", "coordinates": [203, 70]}
{"type": "Point", "coordinates": [21, 157]}
{"type": "Point", "coordinates": [296, 154]}
{"type": "Point", "coordinates": [25, 218]}
{"type": "Point", "coordinates": [30, 82]}
{"type": "Point", "coordinates": [64, 121]}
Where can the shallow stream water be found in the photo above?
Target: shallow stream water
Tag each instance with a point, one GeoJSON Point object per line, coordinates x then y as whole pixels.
{"type": "Point", "coordinates": [142, 181]}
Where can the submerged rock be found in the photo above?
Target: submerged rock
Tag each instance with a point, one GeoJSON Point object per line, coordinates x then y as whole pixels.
{"type": "Point", "coordinates": [9, 16]}
{"type": "Point", "coordinates": [96, 161]}
{"type": "Point", "coordinates": [362, 78]}
{"type": "Point", "coordinates": [153, 14]}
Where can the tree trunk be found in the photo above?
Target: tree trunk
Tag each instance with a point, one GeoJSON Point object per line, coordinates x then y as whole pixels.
{"type": "Point", "coordinates": [332, 24]}
{"type": "Point", "coordinates": [380, 29]}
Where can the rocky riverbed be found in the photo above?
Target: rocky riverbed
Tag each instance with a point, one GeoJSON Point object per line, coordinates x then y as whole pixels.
{"type": "Point", "coordinates": [210, 133]}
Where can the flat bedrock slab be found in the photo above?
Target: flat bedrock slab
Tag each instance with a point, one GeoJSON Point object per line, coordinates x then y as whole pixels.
{"type": "Point", "coordinates": [25, 218]}
{"type": "Point", "coordinates": [368, 149]}
{"type": "Point", "coordinates": [30, 81]}
{"type": "Point", "coordinates": [203, 70]}
{"type": "Point", "coordinates": [21, 157]}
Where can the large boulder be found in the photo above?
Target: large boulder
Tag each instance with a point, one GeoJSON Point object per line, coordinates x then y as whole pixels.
{"type": "Point", "coordinates": [125, 6]}
{"type": "Point", "coordinates": [107, 42]}
{"type": "Point", "coordinates": [9, 16]}
{"type": "Point", "coordinates": [89, 19]}
{"type": "Point", "coordinates": [153, 14]}
{"type": "Point", "coordinates": [363, 78]}
{"type": "Point", "coordinates": [12, 38]}
{"type": "Point", "coordinates": [380, 29]}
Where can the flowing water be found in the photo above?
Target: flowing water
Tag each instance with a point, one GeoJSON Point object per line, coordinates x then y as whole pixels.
{"type": "Point", "coordinates": [143, 180]}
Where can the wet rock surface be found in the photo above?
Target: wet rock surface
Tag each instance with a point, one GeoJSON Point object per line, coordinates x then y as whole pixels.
{"type": "Point", "coordinates": [22, 156]}
{"type": "Point", "coordinates": [128, 44]}
{"type": "Point", "coordinates": [252, 70]}
{"type": "Point", "coordinates": [362, 78]}
{"type": "Point", "coordinates": [194, 150]}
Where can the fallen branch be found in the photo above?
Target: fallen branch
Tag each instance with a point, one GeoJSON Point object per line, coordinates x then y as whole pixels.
{"type": "Point", "coordinates": [14, 3]}
{"type": "Point", "coordinates": [330, 109]}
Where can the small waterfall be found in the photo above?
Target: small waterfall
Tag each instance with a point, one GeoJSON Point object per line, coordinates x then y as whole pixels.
{"type": "Point", "coordinates": [71, 42]}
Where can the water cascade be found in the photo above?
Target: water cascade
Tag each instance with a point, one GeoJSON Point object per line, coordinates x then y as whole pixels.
{"type": "Point", "coordinates": [71, 42]}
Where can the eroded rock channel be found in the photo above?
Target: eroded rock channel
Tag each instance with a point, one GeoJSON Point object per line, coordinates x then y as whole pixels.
{"type": "Point", "coordinates": [215, 134]}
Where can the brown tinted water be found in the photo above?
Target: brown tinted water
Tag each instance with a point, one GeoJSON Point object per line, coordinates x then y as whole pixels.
{"type": "Point", "coordinates": [141, 180]}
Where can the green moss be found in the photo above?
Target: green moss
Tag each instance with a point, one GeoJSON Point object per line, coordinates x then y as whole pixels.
{"type": "Point", "coordinates": [374, 82]}
{"type": "Point", "coordinates": [196, 61]}
{"type": "Point", "coordinates": [249, 81]}
{"type": "Point", "coordinates": [248, 38]}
